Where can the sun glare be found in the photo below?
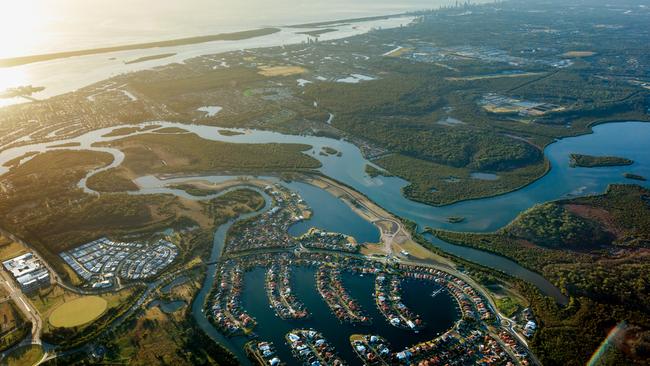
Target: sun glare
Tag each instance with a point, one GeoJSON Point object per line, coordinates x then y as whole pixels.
{"type": "Point", "coordinates": [20, 24]}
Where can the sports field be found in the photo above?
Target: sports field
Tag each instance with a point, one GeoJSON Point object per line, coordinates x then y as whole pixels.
{"type": "Point", "coordinates": [78, 312]}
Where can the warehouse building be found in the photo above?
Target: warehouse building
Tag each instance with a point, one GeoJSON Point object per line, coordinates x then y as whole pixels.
{"type": "Point", "coordinates": [28, 271]}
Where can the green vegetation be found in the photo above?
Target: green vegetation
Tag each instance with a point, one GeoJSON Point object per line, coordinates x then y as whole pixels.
{"type": "Point", "coordinates": [14, 326]}
{"type": "Point", "coordinates": [149, 58]}
{"type": "Point", "coordinates": [15, 161]}
{"type": "Point", "coordinates": [195, 191]}
{"type": "Point", "coordinates": [21, 91]}
{"type": "Point", "coordinates": [25, 356]}
{"type": "Point", "coordinates": [171, 130]}
{"type": "Point", "coordinates": [236, 36]}
{"type": "Point", "coordinates": [455, 219]}
{"type": "Point", "coordinates": [577, 245]}
{"type": "Point", "coordinates": [140, 341]}
{"type": "Point", "coordinates": [69, 144]}
{"type": "Point", "coordinates": [233, 204]}
{"type": "Point", "coordinates": [188, 153]}
{"type": "Point", "coordinates": [552, 225]}
{"type": "Point", "coordinates": [78, 312]}
{"type": "Point", "coordinates": [43, 205]}
{"type": "Point", "coordinates": [589, 161]}
{"type": "Point", "coordinates": [112, 180]}
{"type": "Point", "coordinates": [326, 150]}
{"type": "Point", "coordinates": [373, 172]}
{"type": "Point", "coordinates": [230, 133]}
{"type": "Point", "coordinates": [508, 306]}
{"type": "Point", "coordinates": [318, 32]}
{"type": "Point", "coordinates": [123, 131]}
{"type": "Point", "coordinates": [634, 176]}
{"type": "Point", "coordinates": [439, 184]}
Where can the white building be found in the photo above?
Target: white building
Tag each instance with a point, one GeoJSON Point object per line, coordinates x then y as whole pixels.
{"type": "Point", "coordinates": [28, 271]}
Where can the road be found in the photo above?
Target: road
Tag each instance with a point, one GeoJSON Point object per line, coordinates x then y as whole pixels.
{"type": "Point", "coordinates": [26, 308]}
{"type": "Point", "coordinates": [391, 235]}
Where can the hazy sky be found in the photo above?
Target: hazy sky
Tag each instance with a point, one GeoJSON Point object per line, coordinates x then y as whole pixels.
{"type": "Point", "coordinates": [37, 26]}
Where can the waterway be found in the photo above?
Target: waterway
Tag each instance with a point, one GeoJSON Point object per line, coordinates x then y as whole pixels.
{"type": "Point", "coordinates": [439, 313]}
{"type": "Point", "coordinates": [626, 139]}
{"type": "Point", "coordinates": [68, 74]}
{"type": "Point", "coordinates": [201, 298]}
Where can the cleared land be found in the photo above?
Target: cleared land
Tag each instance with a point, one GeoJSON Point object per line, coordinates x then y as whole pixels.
{"type": "Point", "coordinates": [576, 54]}
{"type": "Point", "coordinates": [281, 70]}
{"type": "Point", "coordinates": [78, 312]}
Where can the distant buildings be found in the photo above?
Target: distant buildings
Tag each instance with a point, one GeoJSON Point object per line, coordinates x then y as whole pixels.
{"type": "Point", "coordinates": [100, 261]}
{"type": "Point", "coordinates": [28, 271]}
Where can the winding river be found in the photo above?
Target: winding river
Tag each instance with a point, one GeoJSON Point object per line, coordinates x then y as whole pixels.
{"type": "Point", "coordinates": [627, 139]}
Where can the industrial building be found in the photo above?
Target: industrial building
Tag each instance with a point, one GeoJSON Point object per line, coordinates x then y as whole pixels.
{"type": "Point", "coordinates": [28, 271]}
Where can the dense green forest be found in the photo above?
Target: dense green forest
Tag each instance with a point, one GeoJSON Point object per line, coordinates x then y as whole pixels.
{"type": "Point", "coordinates": [594, 249]}
{"type": "Point", "coordinates": [589, 161]}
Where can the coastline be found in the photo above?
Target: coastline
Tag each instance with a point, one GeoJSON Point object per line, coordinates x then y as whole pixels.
{"type": "Point", "coordinates": [64, 75]}
{"type": "Point", "coordinates": [235, 36]}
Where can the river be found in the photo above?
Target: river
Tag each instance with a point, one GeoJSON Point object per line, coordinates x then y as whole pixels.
{"type": "Point", "coordinates": [69, 25]}
{"type": "Point", "coordinates": [627, 139]}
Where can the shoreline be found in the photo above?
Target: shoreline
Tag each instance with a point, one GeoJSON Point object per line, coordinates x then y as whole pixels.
{"type": "Point", "coordinates": [234, 36]}
{"type": "Point", "coordinates": [8, 62]}
{"type": "Point", "coordinates": [589, 130]}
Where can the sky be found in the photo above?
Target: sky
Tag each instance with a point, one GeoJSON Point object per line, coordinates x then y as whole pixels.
{"type": "Point", "coordinates": [41, 26]}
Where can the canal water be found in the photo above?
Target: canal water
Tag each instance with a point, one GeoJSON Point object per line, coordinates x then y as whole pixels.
{"type": "Point", "coordinates": [439, 312]}
{"type": "Point", "coordinates": [626, 139]}
{"type": "Point", "coordinates": [200, 300]}
{"type": "Point", "coordinates": [332, 214]}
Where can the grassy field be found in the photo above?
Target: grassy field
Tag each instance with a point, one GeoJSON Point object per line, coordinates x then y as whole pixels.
{"type": "Point", "coordinates": [153, 337]}
{"type": "Point", "coordinates": [78, 312]}
{"type": "Point", "coordinates": [10, 249]}
{"type": "Point", "coordinates": [9, 316]}
{"type": "Point", "coordinates": [24, 356]}
{"type": "Point", "coordinates": [48, 301]}
{"type": "Point", "coordinates": [13, 327]}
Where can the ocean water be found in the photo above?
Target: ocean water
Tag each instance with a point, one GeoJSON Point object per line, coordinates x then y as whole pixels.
{"type": "Point", "coordinates": [61, 25]}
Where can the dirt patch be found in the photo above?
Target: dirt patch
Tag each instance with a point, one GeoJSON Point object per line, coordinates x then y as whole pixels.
{"type": "Point", "coordinates": [281, 70]}
{"type": "Point", "coordinates": [576, 54]}
{"type": "Point", "coordinates": [599, 215]}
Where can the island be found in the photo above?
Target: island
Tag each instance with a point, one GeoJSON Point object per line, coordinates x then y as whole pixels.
{"type": "Point", "coordinates": [21, 91]}
{"type": "Point", "coordinates": [591, 161]}
{"type": "Point", "coordinates": [455, 219]}
{"type": "Point", "coordinates": [149, 58]}
{"type": "Point", "coordinates": [235, 36]}
{"type": "Point", "coordinates": [634, 176]}
{"type": "Point", "coordinates": [326, 150]}
{"type": "Point", "coordinates": [374, 172]}
{"type": "Point", "coordinates": [318, 32]}
{"type": "Point", "coordinates": [229, 133]}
